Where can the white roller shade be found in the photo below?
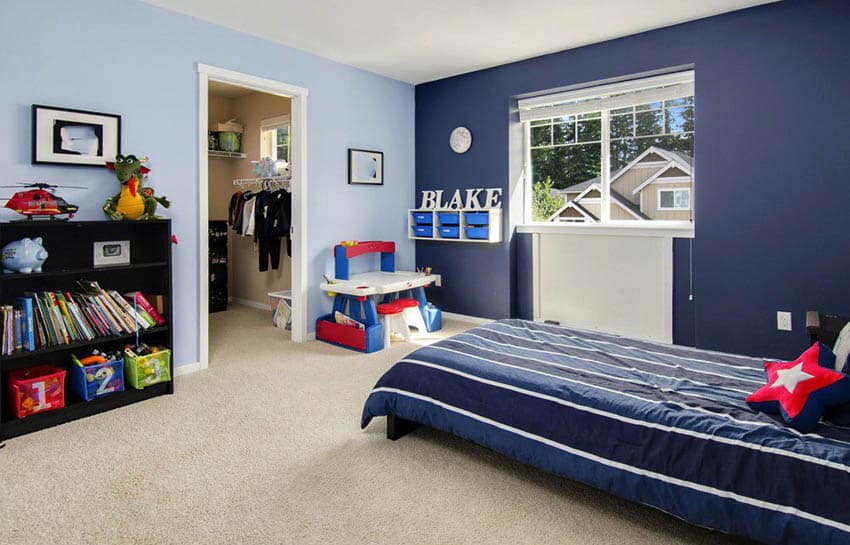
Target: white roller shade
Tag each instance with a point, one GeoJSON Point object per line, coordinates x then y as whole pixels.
{"type": "Point", "coordinates": [607, 97]}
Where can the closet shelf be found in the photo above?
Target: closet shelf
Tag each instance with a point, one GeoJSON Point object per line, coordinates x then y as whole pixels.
{"type": "Point", "coordinates": [228, 154]}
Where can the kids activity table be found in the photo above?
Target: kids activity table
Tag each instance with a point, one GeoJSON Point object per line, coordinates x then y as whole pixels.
{"type": "Point", "coordinates": [357, 295]}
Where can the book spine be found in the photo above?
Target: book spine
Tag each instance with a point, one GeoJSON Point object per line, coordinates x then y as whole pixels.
{"type": "Point", "coordinates": [147, 307]}
{"type": "Point", "coordinates": [128, 310]}
{"type": "Point", "coordinates": [17, 328]}
{"type": "Point", "coordinates": [66, 316]}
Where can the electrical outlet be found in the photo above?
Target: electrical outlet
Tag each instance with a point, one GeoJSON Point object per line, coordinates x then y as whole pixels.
{"type": "Point", "coordinates": [783, 321]}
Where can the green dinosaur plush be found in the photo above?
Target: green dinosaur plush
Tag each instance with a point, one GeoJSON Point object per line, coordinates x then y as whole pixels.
{"type": "Point", "coordinates": [133, 202]}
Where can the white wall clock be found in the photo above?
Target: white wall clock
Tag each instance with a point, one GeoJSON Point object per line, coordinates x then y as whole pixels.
{"type": "Point", "coordinates": [460, 140]}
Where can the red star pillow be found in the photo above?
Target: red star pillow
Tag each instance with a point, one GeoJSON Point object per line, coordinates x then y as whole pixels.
{"type": "Point", "coordinates": [802, 389]}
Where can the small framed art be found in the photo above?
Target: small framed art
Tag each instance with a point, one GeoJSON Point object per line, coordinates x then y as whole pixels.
{"type": "Point", "coordinates": [61, 136]}
{"type": "Point", "coordinates": [111, 252]}
{"type": "Point", "coordinates": [365, 167]}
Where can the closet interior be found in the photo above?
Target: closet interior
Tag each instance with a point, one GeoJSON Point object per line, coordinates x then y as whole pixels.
{"type": "Point", "coordinates": [250, 204]}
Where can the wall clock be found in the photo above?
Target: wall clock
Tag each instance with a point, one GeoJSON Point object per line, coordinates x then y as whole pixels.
{"type": "Point", "coordinates": [460, 140]}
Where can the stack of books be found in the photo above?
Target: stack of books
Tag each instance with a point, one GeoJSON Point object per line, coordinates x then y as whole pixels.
{"type": "Point", "coordinates": [42, 319]}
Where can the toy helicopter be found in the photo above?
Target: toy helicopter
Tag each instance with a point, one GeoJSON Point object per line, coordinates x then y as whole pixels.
{"type": "Point", "coordinates": [40, 202]}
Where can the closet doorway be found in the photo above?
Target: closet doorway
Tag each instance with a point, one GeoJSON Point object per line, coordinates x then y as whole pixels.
{"type": "Point", "coordinates": [252, 157]}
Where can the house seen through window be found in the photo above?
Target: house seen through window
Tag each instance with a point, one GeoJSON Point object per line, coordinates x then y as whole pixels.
{"type": "Point", "coordinates": [615, 153]}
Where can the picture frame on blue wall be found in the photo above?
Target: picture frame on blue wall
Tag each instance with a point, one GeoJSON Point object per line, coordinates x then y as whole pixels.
{"type": "Point", "coordinates": [65, 136]}
{"type": "Point", "coordinates": [365, 167]}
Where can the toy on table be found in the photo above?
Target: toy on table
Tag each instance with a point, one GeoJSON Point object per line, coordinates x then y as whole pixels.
{"type": "Point", "coordinates": [134, 202]}
{"type": "Point", "coordinates": [97, 375]}
{"type": "Point", "coordinates": [354, 297]}
{"type": "Point", "coordinates": [24, 256]}
{"type": "Point", "coordinates": [40, 202]}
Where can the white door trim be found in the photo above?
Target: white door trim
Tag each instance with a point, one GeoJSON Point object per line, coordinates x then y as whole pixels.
{"type": "Point", "coordinates": [298, 155]}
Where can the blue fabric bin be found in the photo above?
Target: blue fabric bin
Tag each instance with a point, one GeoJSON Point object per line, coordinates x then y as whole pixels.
{"type": "Point", "coordinates": [477, 218]}
{"type": "Point", "coordinates": [449, 218]}
{"type": "Point", "coordinates": [423, 218]}
{"type": "Point", "coordinates": [451, 231]}
{"type": "Point", "coordinates": [478, 233]}
{"type": "Point", "coordinates": [423, 231]}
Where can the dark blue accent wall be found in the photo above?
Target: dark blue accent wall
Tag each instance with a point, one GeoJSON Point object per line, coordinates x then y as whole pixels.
{"type": "Point", "coordinates": [772, 167]}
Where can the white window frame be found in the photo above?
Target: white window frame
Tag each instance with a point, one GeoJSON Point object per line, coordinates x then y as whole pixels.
{"type": "Point", "coordinates": [592, 99]}
{"type": "Point", "coordinates": [270, 124]}
{"type": "Point", "coordinates": [674, 190]}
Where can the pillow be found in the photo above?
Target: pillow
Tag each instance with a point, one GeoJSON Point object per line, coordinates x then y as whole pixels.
{"type": "Point", "coordinates": [842, 349]}
{"type": "Point", "coordinates": [802, 389]}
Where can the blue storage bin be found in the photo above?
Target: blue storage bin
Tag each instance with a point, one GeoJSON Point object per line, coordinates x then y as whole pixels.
{"type": "Point", "coordinates": [423, 231]}
{"type": "Point", "coordinates": [451, 231]}
{"type": "Point", "coordinates": [477, 218]}
{"type": "Point", "coordinates": [97, 380]}
{"type": "Point", "coordinates": [449, 218]}
{"type": "Point", "coordinates": [423, 218]}
{"type": "Point", "coordinates": [478, 233]}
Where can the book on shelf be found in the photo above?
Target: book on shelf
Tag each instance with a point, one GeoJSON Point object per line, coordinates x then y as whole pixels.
{"type": "Point", "coordinates": [39, 320]}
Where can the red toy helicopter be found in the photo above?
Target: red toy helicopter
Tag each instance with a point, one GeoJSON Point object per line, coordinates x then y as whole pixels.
{"type": "Point", "coordinates": [41, 202]}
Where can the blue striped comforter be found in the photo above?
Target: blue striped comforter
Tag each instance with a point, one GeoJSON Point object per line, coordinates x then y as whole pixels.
{"type": "Point", "coordinates": [662, 425]}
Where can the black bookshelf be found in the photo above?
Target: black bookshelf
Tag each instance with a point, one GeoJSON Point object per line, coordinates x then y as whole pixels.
{"type": "Point", "coordinates": [218, 266]}
{"type": "Point", "coordinates": [71, 258]}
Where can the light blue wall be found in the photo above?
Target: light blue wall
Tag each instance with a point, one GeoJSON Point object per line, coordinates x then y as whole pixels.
{"type": "Point", "coordinates": [136, 60]}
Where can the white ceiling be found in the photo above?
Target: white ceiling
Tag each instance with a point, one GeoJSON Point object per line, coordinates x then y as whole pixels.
{"type": "Point", "coordinates": [418, 41]}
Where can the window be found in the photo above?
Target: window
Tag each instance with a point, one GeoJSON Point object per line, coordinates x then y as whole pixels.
{"type": "Point", "coordinates": [674, 199]}
{"type": "Point", "coordinates": [274, 138]}
{"type": "Point", "coordinates": [610, 153]}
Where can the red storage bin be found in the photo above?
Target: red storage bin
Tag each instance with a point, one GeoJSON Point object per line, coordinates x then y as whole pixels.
{"type": "Point", "coordinates": [36, 389]}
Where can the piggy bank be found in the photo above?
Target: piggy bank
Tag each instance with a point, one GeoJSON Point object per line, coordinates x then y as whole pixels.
{"type": "Point", "coordinates": [25, 256]}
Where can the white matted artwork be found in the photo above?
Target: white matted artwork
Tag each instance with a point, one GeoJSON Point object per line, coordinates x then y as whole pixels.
{"type": "Point", "coordinates": [365, 167]}
{"type": "Point", "coordinates": [111, 252]}
{"type": "Point", "coordinates": [62, 136]}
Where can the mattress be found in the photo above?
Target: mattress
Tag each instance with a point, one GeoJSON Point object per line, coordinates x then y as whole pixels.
{"type": "Point", "coordinates": [666, 426]}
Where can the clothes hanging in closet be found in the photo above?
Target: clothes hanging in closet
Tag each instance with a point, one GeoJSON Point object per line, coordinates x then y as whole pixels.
{"type": "Point", "coordinates": [266, 216]}
{"type": "Point", "coordinates": [271, 223]}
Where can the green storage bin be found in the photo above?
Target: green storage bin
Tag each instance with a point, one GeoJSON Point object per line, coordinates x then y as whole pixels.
{"type": "Point", "coordinates": [230, 141]}
{"type": "Point", "coordinates": [143, 371]}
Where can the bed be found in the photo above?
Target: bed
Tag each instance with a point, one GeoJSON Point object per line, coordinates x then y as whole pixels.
{"type": "Point", "coordinates": [662, 425]}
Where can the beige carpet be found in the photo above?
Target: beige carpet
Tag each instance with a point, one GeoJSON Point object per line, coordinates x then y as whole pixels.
{"type": "Point", "coordinates": [265, 448]}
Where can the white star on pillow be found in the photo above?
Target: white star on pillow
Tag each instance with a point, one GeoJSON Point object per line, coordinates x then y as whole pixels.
{"type": "Point", "coordinates": [790, 378]}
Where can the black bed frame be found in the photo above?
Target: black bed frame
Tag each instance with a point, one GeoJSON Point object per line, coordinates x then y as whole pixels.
{"type": "Point", "coordinates": [820, 327]}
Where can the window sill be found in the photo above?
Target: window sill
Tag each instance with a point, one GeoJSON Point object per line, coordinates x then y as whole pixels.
{"type": "Point", "coordinates": [672, 229]}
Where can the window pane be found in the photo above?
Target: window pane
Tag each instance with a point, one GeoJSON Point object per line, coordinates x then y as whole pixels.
{"type": "Point", "coordinates": [622, 126]}
{"type": "Point", "coordinates": [665, 199]}
{"type": "Point", "coordinates": [680, 119]}
{"type": "Point", "coordinates": [621, 111]}
{"type": "Point", "coordinates": [647, 107]}
{"type": "Point", "coordinates": [564, 133]}
{"type": "Point", "coordinates": [566, 165]}
{"type": "Point", "coordinates": [590, 130]}
{"type": "Point", "coordinates": [649, 123]}
{"type": "Point", "coordinates": [684, 101]}
{"type": "Point", "coordinates": [540, 122]}
{"type": "Point", "coordinates": [591, 115]}
{"type": "Point", "coordinates": [541, 135]}
{"type": "Point", "coordinates": [682, 199]}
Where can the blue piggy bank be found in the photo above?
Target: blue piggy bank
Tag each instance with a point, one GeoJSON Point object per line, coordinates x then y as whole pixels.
{"type": "Point", "coordinates": [25, 256]}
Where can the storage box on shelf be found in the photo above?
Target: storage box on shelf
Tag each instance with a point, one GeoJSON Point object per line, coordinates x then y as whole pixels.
{"type": "Point", "coordinates": [70, 248]}
{"type": "Point", "coordinates": [464, 225]}
{"type": "Point", "coordinates": [89, 382]}
{"type": "Point", "coordinates": [145, 371]}
{"type": "Point", "coordinates": [36, 389]}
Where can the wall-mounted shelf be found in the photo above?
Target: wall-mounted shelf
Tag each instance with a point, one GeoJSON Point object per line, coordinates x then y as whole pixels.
{"type": "Point", "coordinates": [462, 225]}
{"type": "Point", "coordinates": [227, 154]}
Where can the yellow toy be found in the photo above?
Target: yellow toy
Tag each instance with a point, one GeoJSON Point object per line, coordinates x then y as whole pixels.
{"type": "Point", "coordinates": [134, 202]}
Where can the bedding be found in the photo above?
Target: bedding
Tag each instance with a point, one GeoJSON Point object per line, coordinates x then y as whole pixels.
{"type": "Point", "coordinates": [666, 426]}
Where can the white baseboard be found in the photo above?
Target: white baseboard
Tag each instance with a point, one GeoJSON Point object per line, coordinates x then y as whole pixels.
{"type": "Point", "coordinates": [249, 303]}
{"type": "Point", "coordinates": [311, 336]}
{"type": "Point", "coordinates": [187, 368]}
{"type": "Point", "coordinates": [467, 318]}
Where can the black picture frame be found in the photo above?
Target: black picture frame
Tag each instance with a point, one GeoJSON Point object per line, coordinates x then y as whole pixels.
{"type": "Point", "coordinates": [354, 178]}
{"type": "Point", "coordinates": [104, 131]}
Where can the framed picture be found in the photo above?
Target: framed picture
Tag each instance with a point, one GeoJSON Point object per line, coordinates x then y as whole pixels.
{"type": "Point", "coordinates": [365, 167]}
{"type": "Point", "coordinates": [111, 252]}
{"type": "Point", "coordinates": [61, 136]}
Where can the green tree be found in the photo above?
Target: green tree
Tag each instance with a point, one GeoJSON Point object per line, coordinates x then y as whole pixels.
{"type": "Point", "coordinates": [544, 203]}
